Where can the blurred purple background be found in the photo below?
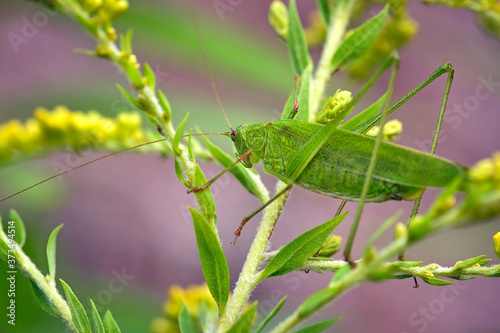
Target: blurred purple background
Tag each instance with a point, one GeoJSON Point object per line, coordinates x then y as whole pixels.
{"type": "Point", "coordinates": [129, 212]}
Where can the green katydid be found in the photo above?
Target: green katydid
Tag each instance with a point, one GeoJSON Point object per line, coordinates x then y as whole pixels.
{"type": "Point", "coordinates": [334, 160]}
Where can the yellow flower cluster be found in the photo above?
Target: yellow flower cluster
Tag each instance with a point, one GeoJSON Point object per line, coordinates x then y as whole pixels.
{"type": "Point", "coordinates": [192, 297]}
{"type": "Point", "coordinates": [488, 11]}
{"type": "Point", "coordinates": [397, 33]}
{"type": "Point", "coordinates": [62, 127]}
{"type": "Point", "coordinates": [487, 169]}
{"type": "Point", "coordinates": [105, 10]}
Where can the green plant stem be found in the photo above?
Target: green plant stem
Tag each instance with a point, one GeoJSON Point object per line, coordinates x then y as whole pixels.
{"type": "Point", "coordinates": [335, 33]}
{"type": "Point", "coordinates": [249, 276]}
{"type": "Point", "coordinates": [356, 276]}
{"type": "Point", "coordinates": [149, 97]}
{"type": "Point", "coordinates": [49, 288]}
{"type": "Point", "coordinates": [330, 265]}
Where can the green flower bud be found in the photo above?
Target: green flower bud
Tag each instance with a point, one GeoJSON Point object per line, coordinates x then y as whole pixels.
{"type": "Point", "coordinates": [331, 246]}
{"type": "Point", "coordinates": [333, 106]}
{"type": "Point", "coordinates": [278, 18]}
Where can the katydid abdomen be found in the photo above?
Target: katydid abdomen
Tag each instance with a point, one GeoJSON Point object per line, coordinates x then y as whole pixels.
{"type": "Point", "coordinates": [339, 168]}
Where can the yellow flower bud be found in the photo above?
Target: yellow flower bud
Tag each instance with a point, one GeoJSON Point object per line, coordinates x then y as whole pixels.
{"type": "Point", "coordinates": [446, 204]}
{"type": "Point", "coordinates": [427, 274]}
{"type": "Point", "coordinates": [392, 129]}
{"type": "Point", "coordinates": [432, 267]}
{"type": "Point", "coordinates": [111, 33]}
{"type": "Point", "coordinates": [92, 5]}
{"type": "Point", "coordinates": [331, 246]}
{"type": "Point", "coordinates": [400, 231]}
{"type": "Point", "coordinates": [483, 170]}
{"type": "Point", "coordinates": [496, 241]}
{"type": "Point", "coordinates": [278, 18]}
{"type": "Point", "coordinates": [102, 51]}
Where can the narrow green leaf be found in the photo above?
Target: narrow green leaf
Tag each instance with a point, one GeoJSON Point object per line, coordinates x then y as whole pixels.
{"type": "Point", "coordinates": [152, 120]}
{"type": "Point", "coordinates": [316, 300]}
{"type": "Point", "coordinates": [292, 255]}
{"type": "Point", "coordinates": [462, 278]}
{"type": "Point", "coordinates": [43, 300]}
{"type": "Point", "coordinates": [150, 76]}
{"type": "Point", "coordinates": [165, 105]}
{"type": "Point", "coordinates": [90, 53]}
{"type": "Point", "coordinates": [204, 196]}
{"type": "Point", "coordinates": [289, 104]}
{"type": "Point", "coordinates": [380, 230]}
{"type": "Point", "coordinates": [51, 251]}
{"type": "Point", "coordinates": [270, 316]}
{"type": "Point", "coordinates": [178, 134]}
{"type": "Point", "coordinates": [297, 44]}
{"type": "Point", "coordinates": [203, 316]}
{"type": "Point", "coordinates": [129, 97]}
{"type": "Point", "coordinates": [98, 325]}
{"type": "Point", "coordinates": [213, 260]}
{"type": "Point", "coordinates": [126, 42]}
{"type": "Point", "coordinates": [324, 11]}
{"type": "Point", "coordinates": [405, 264]}
{"type": "Point", "coordinates": [357, 43]}
{"type": "Point", "coordinates": [186, 321]}
{"type": "Point", "coordinates": [400, 276]}
{"type": "Point", "coordinates": [190, 149]}
{"type": "Point", "coordinates": [365, 115]}
{"type": "Point", "coordinates": [484, 262]}
{"type": "Point", "coordinates": [303, 95]}
{"type": "Point", "coordinates": [343, 271]}
{"type": "Point", "coordinates": [110, 325]}
{"type": "Point", "coordinates": [20, 236]}
{"type": "Point", "coordinates": [244, 175]}
{"type": "Point", "coordinates": [244, 324]}
{"type": "Point", "coordinates": [467, 263]}
{"type": "Point", "coordinates": [133, 74]}
{"type": "Point", "coordinates": [178, 172]}
{"type": "Point", "coordinates": [435, 281]}
{"type": "Point", "coordinates": [78, 314]}
{"type": "Point", "coordinates": [319, 327]}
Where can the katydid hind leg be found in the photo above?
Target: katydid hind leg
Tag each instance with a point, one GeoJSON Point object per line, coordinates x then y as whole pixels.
{"type": "Point", "coordinates": [447, 68]}
{"type": "Point", "coordinates": [444, 68]}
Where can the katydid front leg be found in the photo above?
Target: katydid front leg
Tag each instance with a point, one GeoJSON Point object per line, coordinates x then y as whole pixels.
{"type": "Point", "coordinates": [211, 181]}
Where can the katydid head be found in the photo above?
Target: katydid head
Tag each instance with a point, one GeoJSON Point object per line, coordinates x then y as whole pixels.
{"type": "Point", "coordinates": [240, 145]}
